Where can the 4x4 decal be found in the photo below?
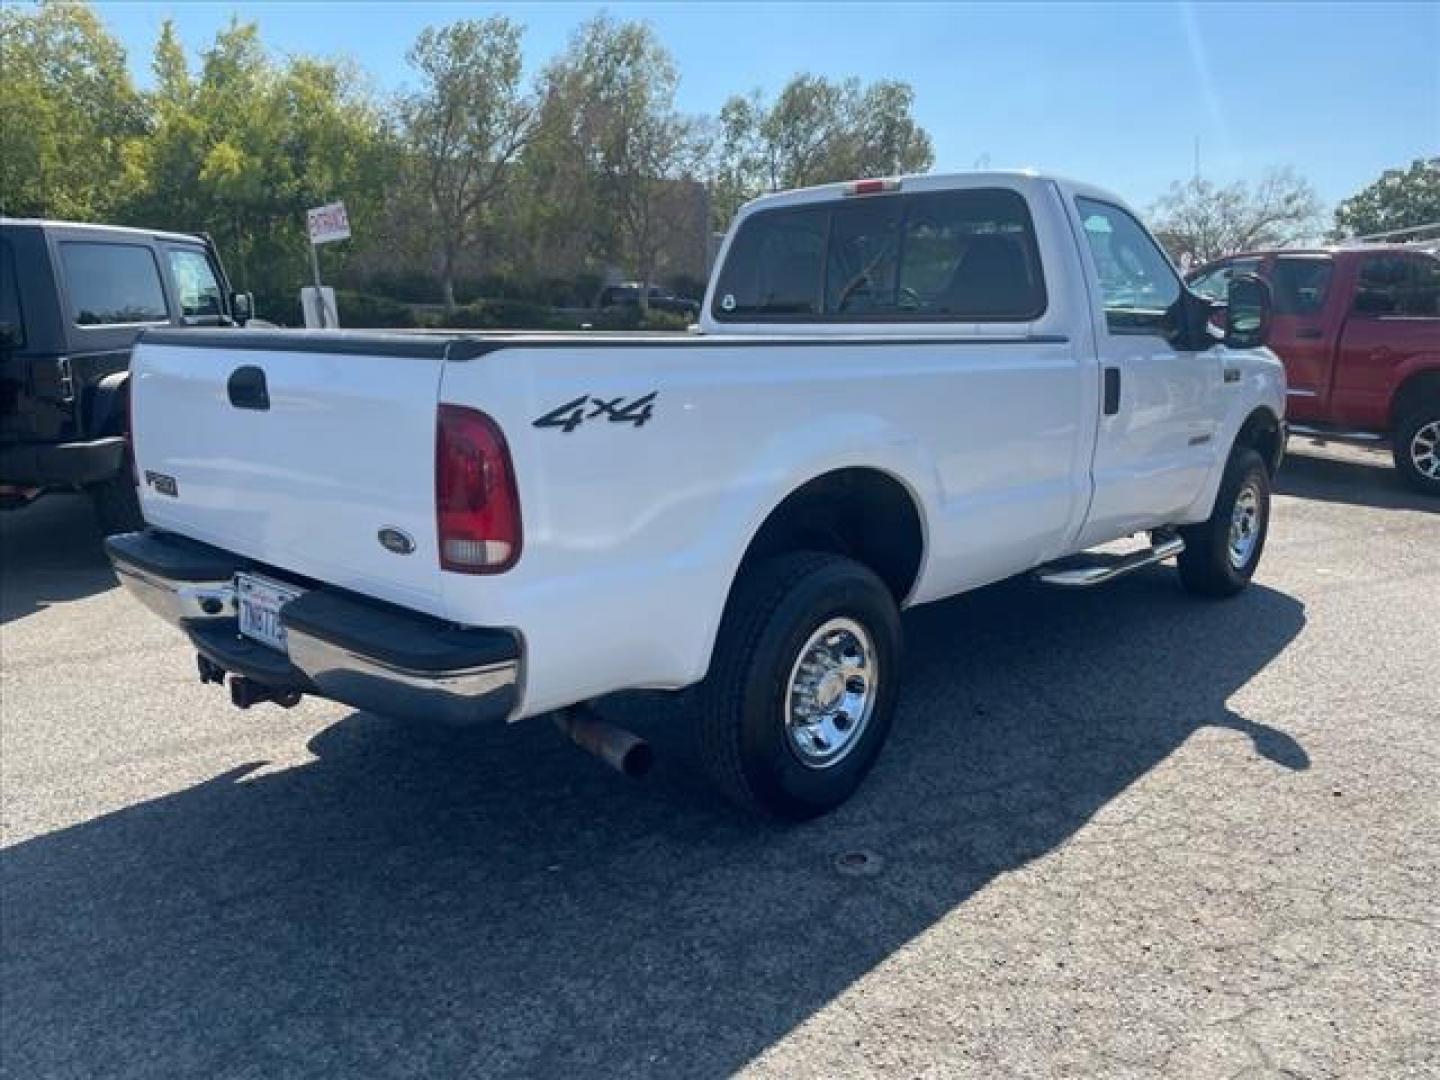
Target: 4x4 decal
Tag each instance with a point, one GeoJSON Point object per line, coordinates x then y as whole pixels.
{"type": "Point", "coordinates": [575, 412]}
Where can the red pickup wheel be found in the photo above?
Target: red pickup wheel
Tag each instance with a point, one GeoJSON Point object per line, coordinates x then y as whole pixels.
{"type": "Point", "coordinates": [802, 688]}
{"type": "Point", "coordinates": [1417, 446]}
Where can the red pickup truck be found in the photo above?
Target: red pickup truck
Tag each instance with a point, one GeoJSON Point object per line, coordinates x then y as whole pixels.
{"type": "Point", "coordinates": [1359, 331]}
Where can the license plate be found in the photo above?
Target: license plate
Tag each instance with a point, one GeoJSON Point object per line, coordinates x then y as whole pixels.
{"type": "Point", "coordinates": [260, 600]}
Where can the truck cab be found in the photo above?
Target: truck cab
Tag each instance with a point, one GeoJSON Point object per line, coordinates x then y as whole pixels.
{"type": "Point", "coordinates": [73, 300]}
{"type": "Point", "coordinates": [1359, 331]}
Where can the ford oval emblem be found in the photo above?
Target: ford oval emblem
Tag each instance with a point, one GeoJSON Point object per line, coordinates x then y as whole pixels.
{"type": "Point", "coordinates": [396, 540]}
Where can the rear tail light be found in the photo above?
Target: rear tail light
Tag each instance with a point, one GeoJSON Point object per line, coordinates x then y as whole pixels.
{"type": "Point", "coordinates": [477, 507]}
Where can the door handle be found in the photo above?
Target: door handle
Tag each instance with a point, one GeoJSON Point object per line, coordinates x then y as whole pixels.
{"type": "Point", "coordinates": [1232, 374]}
{"type": "Point", "coordinates": [247, 388]}
{"type": "Point", "coordinates": [1310, 333]}
{"type": "Point", "coordinates": [1112, 391]}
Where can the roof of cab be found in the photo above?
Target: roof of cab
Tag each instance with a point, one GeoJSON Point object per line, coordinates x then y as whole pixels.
{"type": "Point", "coordinates": [1312, 251]}
{"type": "Point", "coordinates": [1020, 179]}
{"type": "Point", "coordinates": [122, 230]}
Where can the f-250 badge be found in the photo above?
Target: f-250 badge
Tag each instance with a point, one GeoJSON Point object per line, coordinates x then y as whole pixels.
{"type": "Point", "coordinates": [573, 413]}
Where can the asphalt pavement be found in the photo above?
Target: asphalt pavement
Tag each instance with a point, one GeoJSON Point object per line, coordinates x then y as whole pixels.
{"type": "Point", "coordinates": [1117, 833]}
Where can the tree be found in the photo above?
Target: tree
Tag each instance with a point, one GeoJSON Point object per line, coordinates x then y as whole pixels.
{"type": "Point", "coordinates": [1204, 221]}
{"type": "Point", "coordinates": [610, 102]}
{"type": "Point", "coordinates": [245, 145]}
{"type": "Point", "coordinates": [70, 119]}
{"type": "Point", "coordinates": [1400, 199]}
{"type": "Point", "coordinates": [816, 131]}
{"type": "Point", "coordinates": [464, 129]}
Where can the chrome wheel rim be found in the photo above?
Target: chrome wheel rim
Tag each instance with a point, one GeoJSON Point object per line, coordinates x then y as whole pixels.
{"type": "Point", "coordinates": [1244, 526]}
{"type": "Point", "coordinates": [831, 693]}
{"type": "Point", "coordinates": [1425, 450]}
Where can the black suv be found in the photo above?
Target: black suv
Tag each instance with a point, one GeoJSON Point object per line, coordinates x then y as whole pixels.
{"type": "Point", "coordinates": [628, 296]}
{"type": "Point", "coordinates": [73, 299]}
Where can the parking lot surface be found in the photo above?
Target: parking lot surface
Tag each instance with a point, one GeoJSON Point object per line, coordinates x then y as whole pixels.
{"type": "Point", "coordinates": [1115, 833]}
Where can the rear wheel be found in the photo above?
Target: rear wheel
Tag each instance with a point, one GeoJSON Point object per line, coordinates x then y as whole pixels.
{"type": "Point", "coordinates": [1221, 553]}
{"type": "Point", "coordinates": [802, 688]}
{"type": "Point", "coordinates": [1417, 446]}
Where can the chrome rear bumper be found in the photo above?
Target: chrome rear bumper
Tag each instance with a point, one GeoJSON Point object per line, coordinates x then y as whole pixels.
{"type": "Point", "coordinates": [354, 650]}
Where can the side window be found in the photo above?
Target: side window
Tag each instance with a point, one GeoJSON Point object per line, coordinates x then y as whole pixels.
{"type": "Point", "coordinates": [112, 283]}
{"type": "Point", "coordinates": [955, 256]}
{"type": "Point", "coordinates": [196, 283]}
{"type": "Point", "coordinates": [1215, 283]}
{"type": "Point", "coordinates": [1300, 284]}
{"type": "Point", "coordinates": [1381, 286]}
{"type": "Point", "coordinates": [1421, 296]}
{"type": "Point", "coordinates": [1138, 285]}
{"type": "Point", "coordinates": [10, 298]}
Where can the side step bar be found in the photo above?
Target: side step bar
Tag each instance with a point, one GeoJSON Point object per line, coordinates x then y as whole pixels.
{"type": "Point", "coordinates": [1337, 434]}
{"type": "Point", "coordinates": [1085, 576]}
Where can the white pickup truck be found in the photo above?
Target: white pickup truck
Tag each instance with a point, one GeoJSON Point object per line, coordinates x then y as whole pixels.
{"type": "Point", "coordinates": [898, 390]}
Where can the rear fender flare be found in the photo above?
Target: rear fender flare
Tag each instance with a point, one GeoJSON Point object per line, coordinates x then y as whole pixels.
{"type": "Point", "coordinates": [789, 462]}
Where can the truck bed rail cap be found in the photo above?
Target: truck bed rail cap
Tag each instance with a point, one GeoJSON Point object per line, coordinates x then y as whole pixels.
{"type": "Point", "coordinates": [348, 342]}
{"type": "Point", "coordinates": [469, 346]}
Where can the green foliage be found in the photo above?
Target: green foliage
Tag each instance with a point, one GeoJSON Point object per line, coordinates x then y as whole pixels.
{"type": "Point", "coordinates": [71, 122]}
{"type": "Point", "coordinates": [463, 132]}
{"type": "Point", "coordinates": [473, 185]}
{"type": "Point", "coordinates": [620, 320]}
{"type": "Point", "coordinates": [245, 145]}
{"type": "Point", "coordinates": [364, 310]}
{"type": "Point", "coordinates": [1399, 199]}
{"type": "Point", "coordinates": [500, 315]}
{"type": "Point", "coordinates": [612, 144]}
{"type": "Point", "coordinates": [816, 131]}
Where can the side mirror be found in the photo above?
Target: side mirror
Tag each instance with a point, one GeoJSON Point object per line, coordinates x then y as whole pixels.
{"type": "Point", "coordinates": [1247, 312]}
{"type": "Point", "coordinates": [10, 336]}
{"type": "Point", "coordinates": [242, 307]}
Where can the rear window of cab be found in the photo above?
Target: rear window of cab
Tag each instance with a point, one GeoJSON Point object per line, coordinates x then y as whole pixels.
{"type": "Point", "coordinates": [946, 256]}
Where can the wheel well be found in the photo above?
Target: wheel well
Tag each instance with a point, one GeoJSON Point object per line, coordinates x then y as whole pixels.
{"type": "Point", "coordinates": [864, 514]}
{"type": "Point", "coordinates": [1261, 432]}
{"type": "Point", "coordinates": [109, 405]}
{"type": "Point", "coordinates": [1412, 391]}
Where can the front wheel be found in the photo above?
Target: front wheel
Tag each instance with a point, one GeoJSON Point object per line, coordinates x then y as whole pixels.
{"type": "Point", "coordinates": [1417, 447]}
{"type": "Point", "coordinates": [1221, 553]}
{"type": "Point", "coordinates": [802, 688]}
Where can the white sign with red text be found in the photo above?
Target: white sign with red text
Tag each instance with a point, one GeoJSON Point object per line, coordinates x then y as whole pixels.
{"type": "Point", "coordinates": [328, 223]}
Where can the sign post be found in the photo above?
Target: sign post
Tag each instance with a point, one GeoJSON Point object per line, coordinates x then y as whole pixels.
{"type": "Point", "coordinates": [326, 224]}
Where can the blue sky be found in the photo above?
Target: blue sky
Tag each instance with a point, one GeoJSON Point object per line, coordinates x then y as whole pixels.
{"type": "Point", "coordinates": [1113, 94]}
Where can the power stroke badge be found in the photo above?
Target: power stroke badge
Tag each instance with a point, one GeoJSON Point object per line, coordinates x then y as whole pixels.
{"type": "Point", "coordinates": [617, 410]}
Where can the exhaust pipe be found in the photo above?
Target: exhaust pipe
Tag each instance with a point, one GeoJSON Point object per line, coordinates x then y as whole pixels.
{"type": "Point", "coordinates": [622, 750]}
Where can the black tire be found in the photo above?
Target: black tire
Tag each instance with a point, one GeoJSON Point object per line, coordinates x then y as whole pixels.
{"type": "Point", "coordinates": [1417, 446]}
{"type": "Point", "coordinates": [1207, 567]}
{"type": "Point", "coordinates": [117, 502]}
{"type": "Point", "coordinates": [774, 610]}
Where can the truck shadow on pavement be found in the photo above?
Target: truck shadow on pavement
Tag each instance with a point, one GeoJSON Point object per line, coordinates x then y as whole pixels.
{"type": "Point", "coordinates": [1368, 480]}
{"type": "Point", "coordinates": [403, 906]}
{"type": "Point", "coordinates": [49, 552]}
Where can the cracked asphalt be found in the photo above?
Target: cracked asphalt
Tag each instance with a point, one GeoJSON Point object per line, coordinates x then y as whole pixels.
{"type": "Point", "coordinates": [1120, 833]}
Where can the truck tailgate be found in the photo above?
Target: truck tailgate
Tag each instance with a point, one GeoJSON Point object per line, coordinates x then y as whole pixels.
{"type": "Point", "coordinates": [313, 459]}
